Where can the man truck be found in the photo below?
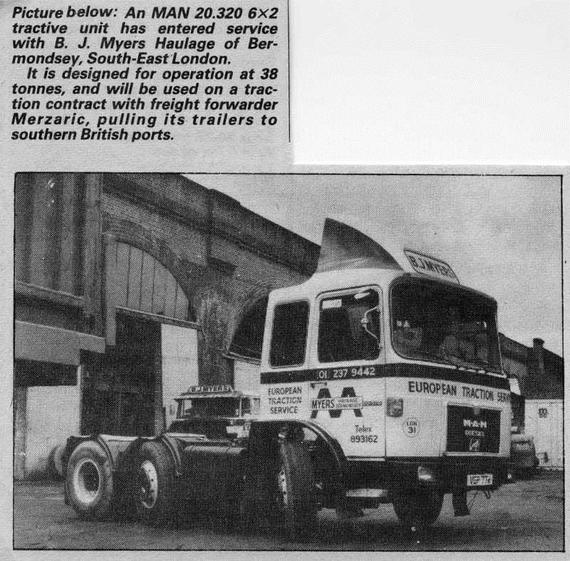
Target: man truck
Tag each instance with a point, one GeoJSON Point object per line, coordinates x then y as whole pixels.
{"type": "Point", "coordinates": [380, 382]}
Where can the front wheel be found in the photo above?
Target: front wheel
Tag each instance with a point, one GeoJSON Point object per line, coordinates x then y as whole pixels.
{"type": "Point", "coordinates": [294, 490]}
{"type": "Point", "coordinates": [154, 491]}
{"type": "Point", "coordinates": [418, 508]}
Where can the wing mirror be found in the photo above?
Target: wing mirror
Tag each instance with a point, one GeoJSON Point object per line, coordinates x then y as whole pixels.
{"type": "Point", "coordinates": [366, 321]}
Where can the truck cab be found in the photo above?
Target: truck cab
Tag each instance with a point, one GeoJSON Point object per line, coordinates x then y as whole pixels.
{"type": "Point", "coordinates": [398, 363]}
{"type": "Point", "coordinates": [216, 411]}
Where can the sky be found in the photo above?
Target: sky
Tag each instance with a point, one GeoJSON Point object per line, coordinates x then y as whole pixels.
{"type": "Point", "coordinates": [501, 235]}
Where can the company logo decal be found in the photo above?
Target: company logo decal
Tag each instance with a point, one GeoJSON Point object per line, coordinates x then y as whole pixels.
{"type": "Point", "coordinates": [475, 424]}
{"type": "Point", "coordinates": [335, 405]}
{"type": "Point", "coordinates": [475, 445]}
{"type": "Point", "coordinates": [473, 429]}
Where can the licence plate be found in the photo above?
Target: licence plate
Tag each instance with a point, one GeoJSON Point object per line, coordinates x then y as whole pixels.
{"type": "Point", "coordinates": [479, 479]}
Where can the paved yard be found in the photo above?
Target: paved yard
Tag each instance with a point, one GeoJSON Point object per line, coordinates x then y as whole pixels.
{"type": "Point", "coordinates": [525, 516]}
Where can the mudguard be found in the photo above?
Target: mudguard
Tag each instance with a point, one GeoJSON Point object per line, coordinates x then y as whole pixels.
{"type": "Point", "coordinates": [263, 446]}
{"type": "Point", "coordinates": [263, 431]}
{"type": "Point", "coordinates": [121, 449]}
{"type": "Point", "coordinates": [113, 445]}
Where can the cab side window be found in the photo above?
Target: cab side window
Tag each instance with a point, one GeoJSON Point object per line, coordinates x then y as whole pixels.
{"type": "Point", "coordinates": [289, 334]}
{"type": "Point", "coordinates": [349, 327]}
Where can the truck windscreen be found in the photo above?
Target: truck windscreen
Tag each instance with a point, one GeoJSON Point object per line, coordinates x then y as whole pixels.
{"type": "Point", "coordinates": [443, 323]}
{"type": "Point", "coordinates": [212, 406]}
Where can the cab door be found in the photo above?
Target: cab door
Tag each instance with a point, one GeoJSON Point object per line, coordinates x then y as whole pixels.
{"type": "Point", "coordinates": [347, 397]}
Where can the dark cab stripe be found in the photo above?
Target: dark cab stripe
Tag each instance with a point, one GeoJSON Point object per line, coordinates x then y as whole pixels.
{"type": "Point", "coordinates": [363, 372]}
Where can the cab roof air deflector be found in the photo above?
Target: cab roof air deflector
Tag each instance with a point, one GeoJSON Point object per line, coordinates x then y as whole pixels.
{"type": "Point", "coordinates": [344, 247]}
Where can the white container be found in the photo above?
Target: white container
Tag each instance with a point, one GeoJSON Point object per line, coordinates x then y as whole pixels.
{"type": "Point", "coordinates": [544, 421]}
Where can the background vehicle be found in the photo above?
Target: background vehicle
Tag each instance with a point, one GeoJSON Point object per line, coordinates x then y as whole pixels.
{"type": "Point", "coordinates": [215, 412]}
{"type": "Point", "coordinates": [381, 382]}
{"type": "Point", "coordinates": [524, 462]}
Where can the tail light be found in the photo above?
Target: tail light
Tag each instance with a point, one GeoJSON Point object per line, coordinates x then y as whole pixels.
{"type": "Point", "coordinates": [394, 407]}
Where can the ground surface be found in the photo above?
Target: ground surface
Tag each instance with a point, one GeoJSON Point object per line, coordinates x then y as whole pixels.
{"type": "Point", "coordinates": [525, 516]}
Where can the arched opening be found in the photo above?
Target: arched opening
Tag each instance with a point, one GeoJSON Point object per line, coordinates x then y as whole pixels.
{"type": "Point", "coordinates": [246, 346]}
{"type": "Point", "coordinates": [153, 353]}
{"type": "Point", "coordinates": [140, 282]}
{"type": "Point", "coordinates": [247, 341]}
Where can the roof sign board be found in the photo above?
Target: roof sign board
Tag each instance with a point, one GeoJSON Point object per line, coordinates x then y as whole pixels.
{"type": "Point", "coordinates": [430, 266]}
{"type": "Point", "coordinates": [216, 388]}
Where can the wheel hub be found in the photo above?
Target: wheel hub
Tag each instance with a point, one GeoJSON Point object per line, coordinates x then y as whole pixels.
{"type": "Point", "coordinates": [147, 484]}
{"type": "Point", "coordinates": [87, 480]}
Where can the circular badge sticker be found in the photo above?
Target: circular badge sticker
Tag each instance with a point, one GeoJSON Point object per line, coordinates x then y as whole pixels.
{"type": "Point", "coordinates": [411, 427]}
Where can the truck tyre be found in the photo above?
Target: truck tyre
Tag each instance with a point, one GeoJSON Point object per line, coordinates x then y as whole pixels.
{"type": "Point", "coordinates": [418, 508]}
{"type": "Point", "coordinates": [89, 481]}
{"type": "Point", "coordinates": [55, 462]}
{"type": "Point", "coordinates": [294, 496]}
{"type": "Point", "coordinates": [154, 492]}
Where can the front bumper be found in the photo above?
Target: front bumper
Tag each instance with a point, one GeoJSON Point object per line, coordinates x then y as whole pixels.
{"type": "Point", "coordinates": [449, 473]}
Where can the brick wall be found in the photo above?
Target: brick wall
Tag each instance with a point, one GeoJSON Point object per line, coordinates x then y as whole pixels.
{"type": "Point", "coordinates": [225, 257]}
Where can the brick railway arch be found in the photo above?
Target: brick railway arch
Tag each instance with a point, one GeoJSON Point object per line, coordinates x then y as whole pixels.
{"type": "Point", "coordinates": [246, 344]}
{"type": "Point", "coordinates": [125, 240]}
{"type": "Point", "coordinates": [124, 231]}
{"type": "Point", "coordinates": [151, 334]}
{"type": "Point", "coordinates": [221, 255]}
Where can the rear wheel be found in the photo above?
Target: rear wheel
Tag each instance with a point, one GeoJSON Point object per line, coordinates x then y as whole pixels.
{"type": "Point", "coordinates": [55, 462]}
{"type": "Point", "coordinates": [418, 508]}
{"type": "Point", "coordinates": [154, 492]}
{"type": "Point", "coordinates": [294, 490]}
{"type": "Point", "coordinates": [89, 481]}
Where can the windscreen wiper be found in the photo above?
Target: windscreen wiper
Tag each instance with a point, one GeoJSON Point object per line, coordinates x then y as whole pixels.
{"type": "Point", "coordinates": [439, 358]}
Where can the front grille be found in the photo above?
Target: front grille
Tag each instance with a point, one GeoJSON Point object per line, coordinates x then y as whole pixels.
{"type": "Point", "coordinates": [473, 429]}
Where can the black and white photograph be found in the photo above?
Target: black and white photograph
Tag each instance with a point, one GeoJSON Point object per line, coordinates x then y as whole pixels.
{"type": "Point", "coordinates": [311, 361]}
{"type": "Point", "coordinates": [283, 276]}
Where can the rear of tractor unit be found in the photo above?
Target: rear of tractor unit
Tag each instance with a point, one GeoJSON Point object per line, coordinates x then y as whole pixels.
{"type": "Point", "coordinates": [198, 461]}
